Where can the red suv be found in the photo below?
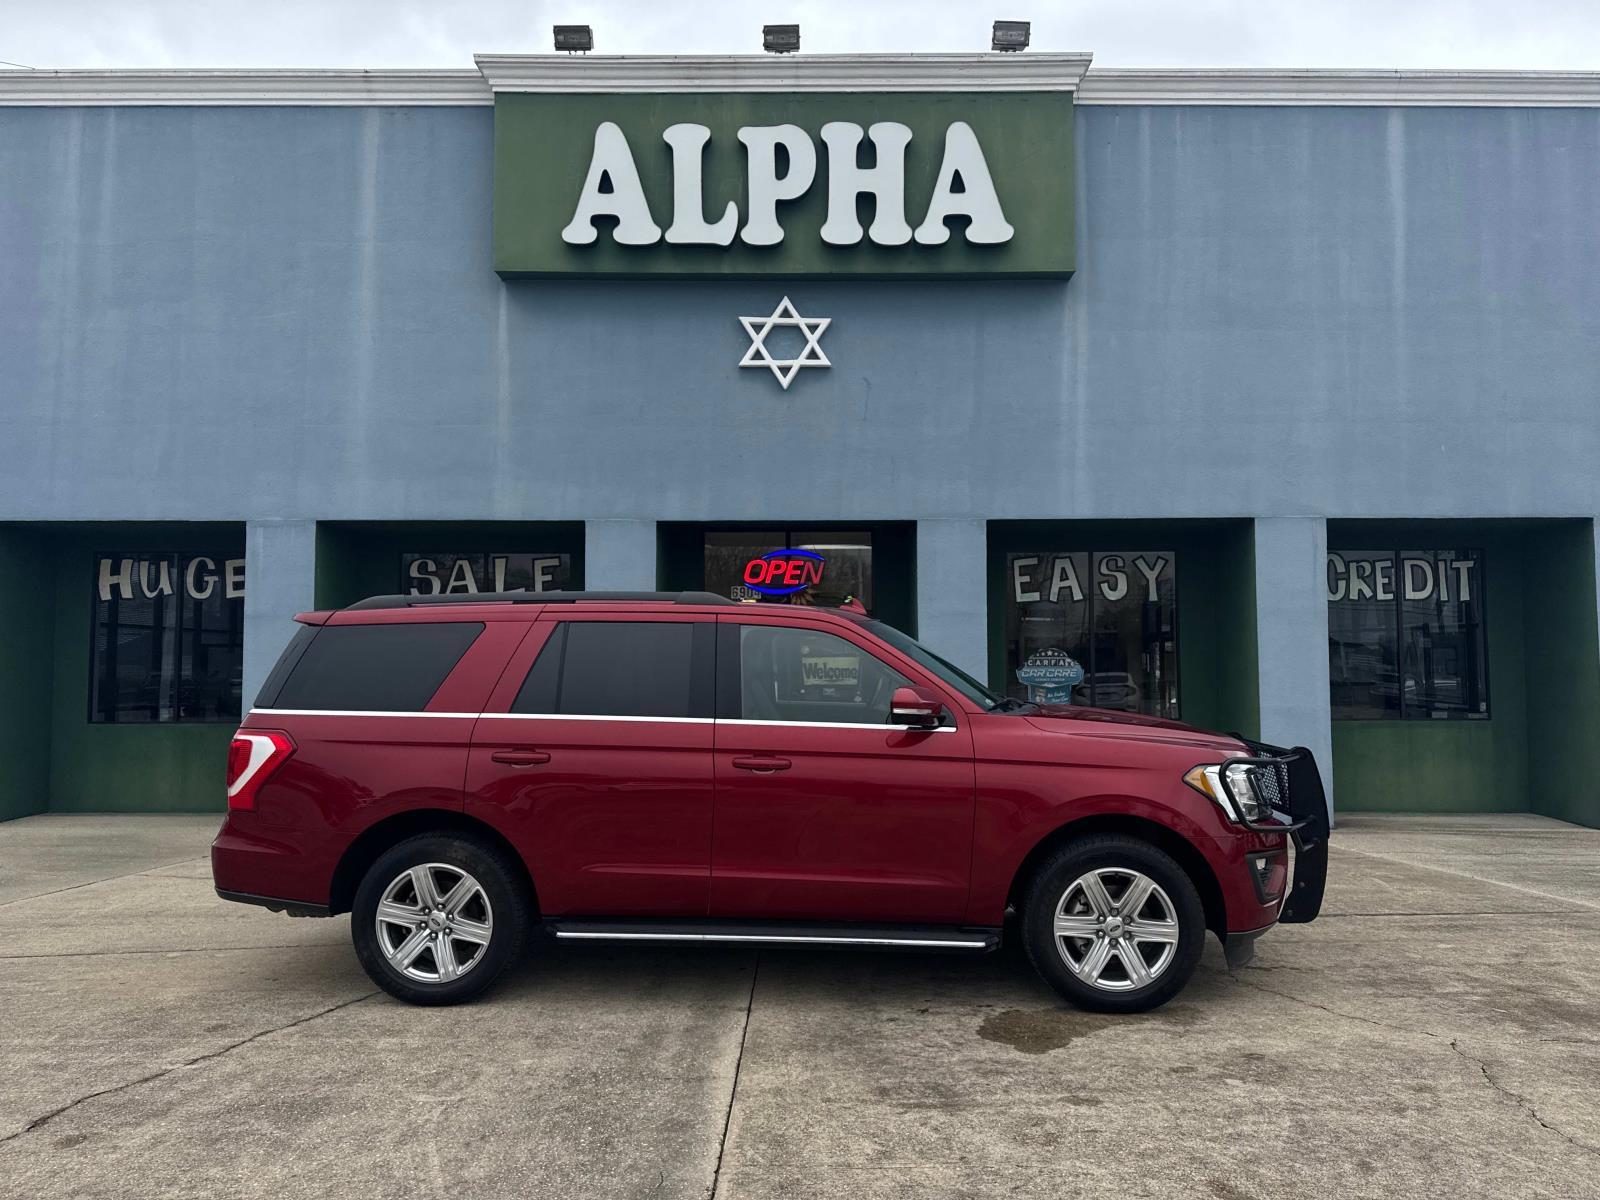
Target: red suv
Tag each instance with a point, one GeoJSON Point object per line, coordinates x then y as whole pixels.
{"type": "Point", "coordinates": [458, 772]}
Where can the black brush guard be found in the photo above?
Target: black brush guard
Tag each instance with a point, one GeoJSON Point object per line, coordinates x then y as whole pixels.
{"type": "Point", "coordinates": [1292, 774]}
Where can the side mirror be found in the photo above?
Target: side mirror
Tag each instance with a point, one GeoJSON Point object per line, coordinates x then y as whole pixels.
{"type": "Point", "coordinates": [917, 709]}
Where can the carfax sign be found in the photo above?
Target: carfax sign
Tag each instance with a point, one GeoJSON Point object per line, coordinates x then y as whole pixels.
{"type": "Point", "coordinates": [801, 184]}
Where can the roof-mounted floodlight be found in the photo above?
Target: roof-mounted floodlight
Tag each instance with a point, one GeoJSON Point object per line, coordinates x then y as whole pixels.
{"type": "Point", "coordinates": [780, 39]}
{"type": "Point", "coordinates": [574, 39]}
{"type": "Point", "coordinates": [1010, 35]}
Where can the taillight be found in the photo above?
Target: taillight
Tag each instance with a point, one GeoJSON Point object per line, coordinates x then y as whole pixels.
{"type": "Point", "coordinates": [253, 756]}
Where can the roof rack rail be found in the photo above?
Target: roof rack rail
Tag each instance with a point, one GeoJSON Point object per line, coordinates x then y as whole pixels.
{"type": "Point", "coordinates": [536, 598]}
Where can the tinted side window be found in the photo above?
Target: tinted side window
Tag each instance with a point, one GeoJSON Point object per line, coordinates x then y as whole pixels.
{"type": "Point", "coordinates": [376, 668]}
{"type": "Point", "coordinates": [303, 634]}
{"type": "Point", "coordinates": [789, 674]}
{"type": "Point", "coordinates": [619, 669]}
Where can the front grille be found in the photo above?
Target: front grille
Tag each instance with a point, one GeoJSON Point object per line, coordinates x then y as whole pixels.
{"type": "Point", "coordinates": [1272, 785]}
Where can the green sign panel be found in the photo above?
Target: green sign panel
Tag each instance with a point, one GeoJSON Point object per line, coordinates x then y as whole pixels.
{"type": "Point", "coordinates": [810, 184]}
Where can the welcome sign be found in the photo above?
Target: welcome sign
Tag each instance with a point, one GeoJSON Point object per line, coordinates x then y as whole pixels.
{"type": "Point", "coordinates": [799, 184]}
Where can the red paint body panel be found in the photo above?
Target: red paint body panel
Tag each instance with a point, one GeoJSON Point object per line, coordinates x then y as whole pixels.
{"type": "Point", "coordinates": [858, 824]}
{"type": "Point", "coordinates": [1032, 781]}
{"type": "Point", "coordinates": [617, 822]}
{"type": "Point", "coordinates": [684, 818]}
{"type": "Point", "coordinates": [861, 825]}
{"type": "Point", "coordinates": [347, 773]}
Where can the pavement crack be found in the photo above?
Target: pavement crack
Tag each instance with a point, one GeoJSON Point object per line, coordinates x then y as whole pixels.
{"type": "Point", "coordinates": [1348, 1016]}
{"type": "Point", "coordinates": [1520, 1100]}
{"type": "Point", "coordinates": [733, 1093]}
{"type": "Point", "coordinates": [1517, 1098]}
{"type": "Point", "coordinates": [41, 1121]}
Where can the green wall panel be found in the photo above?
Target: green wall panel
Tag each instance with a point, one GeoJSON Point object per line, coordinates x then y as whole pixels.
{"type": "Point", "coordinates": [1456, 765]}
{"type": "Point", "coordinates": [543, 145]}
{"type": "Point", "coordinates": [1563, 673]}
{"type": "Point", "coordinates": [25, 677]}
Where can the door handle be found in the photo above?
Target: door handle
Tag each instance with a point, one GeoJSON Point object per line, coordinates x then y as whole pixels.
{"type": "Point", "coordinates": [762, 764]}
{"type": "Point", "coordinates": [520, 758]}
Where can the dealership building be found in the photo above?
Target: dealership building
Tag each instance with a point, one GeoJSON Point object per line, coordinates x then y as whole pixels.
{"type": "Point", "coordinates": [1268, 401]}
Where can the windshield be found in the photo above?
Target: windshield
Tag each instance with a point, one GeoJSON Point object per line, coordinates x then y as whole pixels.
{"type": "Point", "coordinates": [949, 672]}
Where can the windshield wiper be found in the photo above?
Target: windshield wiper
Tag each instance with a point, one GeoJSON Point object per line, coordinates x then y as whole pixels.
{"type": "Point", "coordinates": [1010, 704]}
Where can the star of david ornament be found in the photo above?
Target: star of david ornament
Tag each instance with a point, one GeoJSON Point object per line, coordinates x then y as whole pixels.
{"type": "Point", "coordinates": [784, 369]}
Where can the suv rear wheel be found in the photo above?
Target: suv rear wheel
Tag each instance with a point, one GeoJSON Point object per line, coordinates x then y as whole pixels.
{"type": "Point", "coordinates": [438, 917]}
{"type": "Point", "coordinates": [1114, 924]}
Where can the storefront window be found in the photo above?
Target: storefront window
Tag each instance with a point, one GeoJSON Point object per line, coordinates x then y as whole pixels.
{"type": "Point", "coordinates": [468, 574]}
{"type": "Point", "coordinates": [168, 638]}
{"type": "Point", "coordinates": [1093, 628]}
{"type": "Point", "coordinates": [829, 567]}
{"type": "Point", "coordinates": [1406, 634]}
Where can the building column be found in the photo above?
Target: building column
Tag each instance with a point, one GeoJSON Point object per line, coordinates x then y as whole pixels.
{"type": "Point", "coordinates": [953, 591]}
{"type": "Point", "coordinates": [280, 574]}
{"type": "Point", "coordinates": [1292, 637]}
{"type": "Point", "coordinates": [619, 556]}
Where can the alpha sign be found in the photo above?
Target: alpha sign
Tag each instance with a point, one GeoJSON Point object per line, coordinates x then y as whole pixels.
{"type": "Point", "coordinates": [799, 184]}
{"type": "Point", "coordinates": [963, 188]}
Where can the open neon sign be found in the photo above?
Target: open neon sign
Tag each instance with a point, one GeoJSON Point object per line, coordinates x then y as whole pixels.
{"type": "Point", "coordinates": [784, 572]}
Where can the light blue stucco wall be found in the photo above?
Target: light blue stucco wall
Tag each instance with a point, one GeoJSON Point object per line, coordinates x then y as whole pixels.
{"type": "Point", "coordinates": [288, 314]}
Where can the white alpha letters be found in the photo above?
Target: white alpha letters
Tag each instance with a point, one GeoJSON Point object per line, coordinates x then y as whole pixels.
{"type": "Point", "coordinates": [163, 585]}
{"type": "Point", "coordinates": [544, 573]}
{"type": "Point", "coordinates": [192, 577]}
{"type": "Point", "coordinates": [121, 578]}
{"type": "Point", "coordinates": [689, 227]}
{"type": "Point", "coordinates": [885, 181]}
{"type": "Point", "coordinates": [766, 188]}
{"type": "Point", "coordinates": [1019, 580]}
{"type": "Point", "coordinates": [1115, 584]}
{"type": "Point", "coordinates": [977, 199]}
{"type": "Point", "coordinates": [1417, 577]}
{"type": "Point", "coordinates": [613, 160]}
{"type": "Point", "coordinates": [424, 577]}
{"type": "Point", "coordinates": [1064, 578]}
{"type": "Point", "coordinates": [1150, 571]}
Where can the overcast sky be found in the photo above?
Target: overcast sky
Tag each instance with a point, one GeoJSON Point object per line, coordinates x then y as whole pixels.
{"type": "Point", "coordinates": [444, 33]}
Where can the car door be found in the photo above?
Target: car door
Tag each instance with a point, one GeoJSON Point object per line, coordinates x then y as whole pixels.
{"type": "Point", "coordinates": [594, 757]}
{"type": "Point", "coordinates": [824, 810]}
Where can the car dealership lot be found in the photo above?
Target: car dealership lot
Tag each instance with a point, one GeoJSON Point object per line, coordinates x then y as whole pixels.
{"type": "Point", "coordinates": [1436, 1033]}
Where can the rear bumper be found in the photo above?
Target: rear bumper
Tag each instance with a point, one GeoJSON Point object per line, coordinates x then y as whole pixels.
{"type": "Point", "coordinates": [261, 866]}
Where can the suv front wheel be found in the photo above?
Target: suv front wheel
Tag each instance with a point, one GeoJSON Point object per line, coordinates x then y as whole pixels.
{"type": "Point", "coordinates": [437, 918]}
{"type": "Point", "coordinates": [1114, 924]}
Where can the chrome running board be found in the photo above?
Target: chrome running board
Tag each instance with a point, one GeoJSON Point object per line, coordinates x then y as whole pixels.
{"type": "Point", "coordinates": [777, 933]}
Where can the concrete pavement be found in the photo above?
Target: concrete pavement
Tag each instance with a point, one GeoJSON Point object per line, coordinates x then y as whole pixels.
{"type": "Point", "coordinates": [1437, 1033]}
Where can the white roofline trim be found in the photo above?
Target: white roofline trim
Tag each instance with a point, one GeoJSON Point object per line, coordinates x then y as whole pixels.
{"type": "Point", "coordinates": [1027, 71]}
{"type": "Point", "coordinates": [274, 87]}
{"type": "Point", "coordinates": [993, 72]}
{"type": "Point", "coordinates": [1462, 89]}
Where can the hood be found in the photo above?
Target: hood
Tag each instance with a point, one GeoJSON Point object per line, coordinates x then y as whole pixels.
{"type": "Point", "coordinates": [1109, 723]}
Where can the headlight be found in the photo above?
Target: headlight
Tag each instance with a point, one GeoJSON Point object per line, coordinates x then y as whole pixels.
{"type": "Point", "coordinates": [1241, 789]}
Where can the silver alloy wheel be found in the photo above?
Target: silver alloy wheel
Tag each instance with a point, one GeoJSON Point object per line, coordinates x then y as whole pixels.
{"type": "Point", "coordinates": [434, 923]}
{"type": "Point", "coordinates": [1116, 929]}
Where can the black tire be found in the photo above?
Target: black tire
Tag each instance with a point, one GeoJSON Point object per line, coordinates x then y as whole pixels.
{"type": "Point", "coordinates": [1113, 853]}
{"type": "Point", "coordinates": [504, 899]}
